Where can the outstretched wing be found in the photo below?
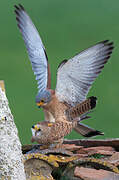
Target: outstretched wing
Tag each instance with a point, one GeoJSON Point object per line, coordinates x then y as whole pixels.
{"type": "Point", "coordinates": [35, 47]}
{"type": "Point", "coordinates": [75, 76]}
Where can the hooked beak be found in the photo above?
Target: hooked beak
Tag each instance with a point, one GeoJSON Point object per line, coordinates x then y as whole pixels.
{"type": "Point", "coordinates": [39, 104]}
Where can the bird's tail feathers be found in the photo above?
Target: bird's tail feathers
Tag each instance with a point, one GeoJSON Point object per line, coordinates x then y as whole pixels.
{"type": "Point", "coordinates": [87, 131]}
{"type": "Point", "coordinates": [84, 116]}
{"type": "Point", "coordinates": [82, 109]}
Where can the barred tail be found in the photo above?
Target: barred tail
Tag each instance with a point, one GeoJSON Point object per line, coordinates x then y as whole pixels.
{"type": "Point", "coordinates": [81, 108]}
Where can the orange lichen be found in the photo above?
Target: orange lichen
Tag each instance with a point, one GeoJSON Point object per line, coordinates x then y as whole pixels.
{"type": "Point", "coordinates": [63, 159]}
{"type": "Point", "coordinates": [49, 159]}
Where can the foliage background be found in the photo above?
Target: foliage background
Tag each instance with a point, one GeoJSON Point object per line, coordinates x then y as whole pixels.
{"type": "Point", "coordinates": [66, 28]}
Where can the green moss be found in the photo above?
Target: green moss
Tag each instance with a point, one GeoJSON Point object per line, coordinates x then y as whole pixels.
{"type": "Point", "coordinates": [97, 156]}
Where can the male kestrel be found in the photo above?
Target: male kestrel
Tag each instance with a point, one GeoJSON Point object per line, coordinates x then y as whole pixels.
{"type": "Point", "coordinates": [74, 79]}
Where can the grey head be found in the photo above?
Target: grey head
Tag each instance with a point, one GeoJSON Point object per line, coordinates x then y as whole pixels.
{"type": "Point", "coordinates": [43, 98]}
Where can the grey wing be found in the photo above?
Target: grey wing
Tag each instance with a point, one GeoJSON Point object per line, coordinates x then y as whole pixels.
{"type": "Point", "coordinates": [34, 45]}
{"type": "Point", "coordinates": [75, 76]}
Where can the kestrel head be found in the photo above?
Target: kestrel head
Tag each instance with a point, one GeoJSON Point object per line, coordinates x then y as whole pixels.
{"type": "Point", "coordinates": [37, 129]}
{"type": "Point", "coordinates": [39, 132]}
{"type": "Point", "coordinates": [36, 132]}
{"type": "Point", "coordinates": [43, 98]}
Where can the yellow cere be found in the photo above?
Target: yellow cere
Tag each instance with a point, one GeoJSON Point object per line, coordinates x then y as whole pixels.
{"type": "Point", "coordinates": [40, 103]}
{"type": "Point", "coordinates": [36, 127]}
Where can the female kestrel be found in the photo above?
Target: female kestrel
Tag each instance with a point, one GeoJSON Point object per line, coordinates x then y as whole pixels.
{"type": "Point", "coordinates": [74, 76]}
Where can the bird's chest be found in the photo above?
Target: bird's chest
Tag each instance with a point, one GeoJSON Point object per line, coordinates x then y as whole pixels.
{"type": "Point", "coordinates": [56, 108]}
{"type": "Point", "coordinates": [57, 132]}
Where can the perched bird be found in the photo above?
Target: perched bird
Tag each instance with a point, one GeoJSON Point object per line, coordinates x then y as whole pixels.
{"type": "Point", "coordinates": [74, 79]}
{"type": "Point", "coordinates": [52, 133]}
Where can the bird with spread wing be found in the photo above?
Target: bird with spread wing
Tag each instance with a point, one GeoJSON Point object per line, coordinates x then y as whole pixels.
{"type": "Point", "coordinates": [67, 105]}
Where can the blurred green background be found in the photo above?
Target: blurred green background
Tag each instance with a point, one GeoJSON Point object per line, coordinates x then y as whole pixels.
{"type": "Point", "coordinates": [66, 28]}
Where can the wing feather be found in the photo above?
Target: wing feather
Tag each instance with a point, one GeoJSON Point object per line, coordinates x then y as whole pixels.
{"type": "Point", "coordinates": [35, 47]}
{"type": "Point", "coordinates": [75, 76]}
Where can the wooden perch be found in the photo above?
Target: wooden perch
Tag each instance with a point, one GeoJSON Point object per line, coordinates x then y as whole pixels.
{"type": "Point", "coordinates": [11, 165]}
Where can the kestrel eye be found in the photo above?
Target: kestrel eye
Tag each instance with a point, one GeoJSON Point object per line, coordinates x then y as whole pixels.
{"type": "Point", "coordinates": [33, 127]}
{"type": "Point", "coordinates": [39, 130]}
{"type": "Point", "coordinates": [42, 101]}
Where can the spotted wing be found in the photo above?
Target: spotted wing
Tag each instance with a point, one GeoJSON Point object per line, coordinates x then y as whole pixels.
{"type": "Point", "coordinates": [75, 76]}
{"type": "Point", "coordinates": [35, 47]}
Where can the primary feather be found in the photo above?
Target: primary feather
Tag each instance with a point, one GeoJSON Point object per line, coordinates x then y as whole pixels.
{"type": "Point", "coordinates": [35, 47]}
{"type": "Point", "coordinates": [75, 76]}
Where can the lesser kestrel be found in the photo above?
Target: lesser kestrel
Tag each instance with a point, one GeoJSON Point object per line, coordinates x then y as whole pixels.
{"type": "Point", "coordinates": [74, 79]}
